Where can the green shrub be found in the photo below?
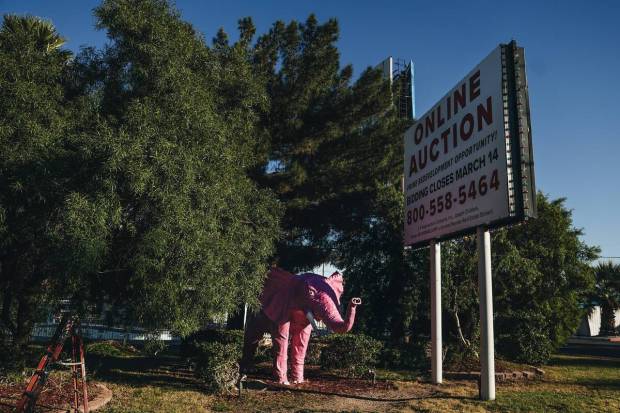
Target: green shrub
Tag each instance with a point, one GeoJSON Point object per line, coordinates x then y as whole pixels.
{"type": "Point", "coordinates": [526, 344]}
{"type": "Point", "coordinates": [12, 361]}
{"type": "Point", "coordinates": [190, 344]}
{"type": "Point", "coordinates": [395, 358]}
{"type": "Point", "coordinates": [215, 354]}
{"type": "Point", "coordinates": [354, 354]}
{"type": "Point", "coordinates": [217, 365]}
{"type": "Point", "coordinates": [404, 356]}
{"type": "Point", "coordinates": [153, 345]}
{"type": "Point", "coordinates": [109, 349]}
{"type": "Point", "coordinates": [315, 348]}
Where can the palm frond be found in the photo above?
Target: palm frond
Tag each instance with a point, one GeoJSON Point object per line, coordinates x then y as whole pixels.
{"type": "Point", "coordinates": [41, 31]}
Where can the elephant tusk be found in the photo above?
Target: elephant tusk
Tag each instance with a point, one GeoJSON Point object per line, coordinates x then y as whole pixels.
{"type": "Point", "coordinates": [310, 318]}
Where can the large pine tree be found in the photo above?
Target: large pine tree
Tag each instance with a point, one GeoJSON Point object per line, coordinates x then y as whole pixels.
{"type": "Point", "coordinates": [192, 233]}
{"type": "Point", "coordinates": [331, 143]}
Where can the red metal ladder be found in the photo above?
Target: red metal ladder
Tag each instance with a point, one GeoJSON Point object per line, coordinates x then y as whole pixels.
{"type": "Point", "coordinates": [69, 327]}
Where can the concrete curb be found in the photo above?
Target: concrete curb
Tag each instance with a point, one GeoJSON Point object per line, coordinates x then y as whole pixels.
{"type": "Point", "coordinates": [101, 400]}
{"type": "Point", "coordinates": [98, 402]}
{"type": "Point", "coordinates": [613, 342]}
{"type": "Point", "coordinates": [500, 377]}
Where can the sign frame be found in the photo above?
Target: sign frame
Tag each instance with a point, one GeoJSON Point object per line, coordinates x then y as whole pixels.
{"type": "Point", "coordinates": [521, 191]}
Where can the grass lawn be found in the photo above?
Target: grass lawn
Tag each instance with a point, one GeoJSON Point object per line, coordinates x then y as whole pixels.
{"type": "Point", "coordinates": [572, 383]}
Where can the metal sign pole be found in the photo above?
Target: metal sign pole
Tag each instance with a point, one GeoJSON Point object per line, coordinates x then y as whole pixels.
{"type": "Point", "coordinates": [487, 345]}
{"type": "Point", "coordinates": [436, 344]}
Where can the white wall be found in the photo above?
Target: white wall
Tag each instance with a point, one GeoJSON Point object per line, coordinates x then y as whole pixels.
{"type": "Point", "coordinates": [591, 325]}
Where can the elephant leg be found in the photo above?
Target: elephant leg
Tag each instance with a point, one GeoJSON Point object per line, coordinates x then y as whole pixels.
{"type": "Point", "coordinates": [279, 338]}
{"type": "Point", "coordinates": [255, 328]}
{"type": "Point", "coordinates": [299, 341]}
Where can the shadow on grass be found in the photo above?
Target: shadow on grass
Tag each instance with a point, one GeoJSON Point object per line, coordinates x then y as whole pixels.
{"type": "Point", "coordinates": [591, 350]}
{"type": "Point", "coordinates": [602, 384]}
{"type": "Point", "coordinates": [585, 362]}
{"type": "Point", "coordinates": [604, 365]}
{"type": "Point", "coordinates": [168, 372]}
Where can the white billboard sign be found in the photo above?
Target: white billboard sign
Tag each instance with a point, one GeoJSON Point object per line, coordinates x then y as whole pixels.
{"type": "Point", "coordinates": [458, 171]}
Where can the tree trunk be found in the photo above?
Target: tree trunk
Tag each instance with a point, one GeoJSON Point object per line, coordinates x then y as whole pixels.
{"type": "Point", "coordinates": [24, 321]}
{"type": "Point", "coordinates": [8, 296]}
{"type": "Point", "coordinates": [399, 295]}
{"type": "Point", "coordinates": [608, 320]}
{"type": "Point", "coordinates": [7, 302]}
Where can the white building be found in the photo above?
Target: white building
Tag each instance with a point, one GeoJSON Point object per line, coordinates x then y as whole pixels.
{"type": "Point", "coordinates": [591, 324]}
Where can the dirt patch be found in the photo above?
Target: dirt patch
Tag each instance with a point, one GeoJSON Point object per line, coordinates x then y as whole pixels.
{"type": "Point", "coordinates": [471, 364]}
{"type": "Point", "coordinates": [504, 371]}
{"type": "Point", "coordinates": [56, 394]}
{"type": "Point", "coordinates": [331, 384]}
{"type": "Point", "coordinates": [328, 392]}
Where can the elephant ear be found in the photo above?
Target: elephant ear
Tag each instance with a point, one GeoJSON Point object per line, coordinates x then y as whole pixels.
{"type": "Point", "coordinates": [276, 294]}
{"type": "Point", "coordinates": [336, 282]}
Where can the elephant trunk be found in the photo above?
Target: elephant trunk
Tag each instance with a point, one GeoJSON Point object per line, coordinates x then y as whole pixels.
{"type": "Point", "coordinates": [343, 326]}
{"type": "Point", "coordinates": [327, 311]}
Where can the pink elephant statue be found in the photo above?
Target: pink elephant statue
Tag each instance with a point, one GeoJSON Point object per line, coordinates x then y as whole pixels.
{"type": "Point", "coordinates": [289, 305]}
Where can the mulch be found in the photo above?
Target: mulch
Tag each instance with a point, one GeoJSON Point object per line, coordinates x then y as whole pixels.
{"type": "Point", "coordinates": [464, 365]}
{"type": "Point", "coordinates": [57, 394]}
{"type": "Point", "coordinates": [331, 383]}
{"type": "Point", "coordinates": [325, 383]}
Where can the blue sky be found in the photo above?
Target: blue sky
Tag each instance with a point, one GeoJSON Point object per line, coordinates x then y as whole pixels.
{"type": "Point", "coordinates": [573, 61]}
